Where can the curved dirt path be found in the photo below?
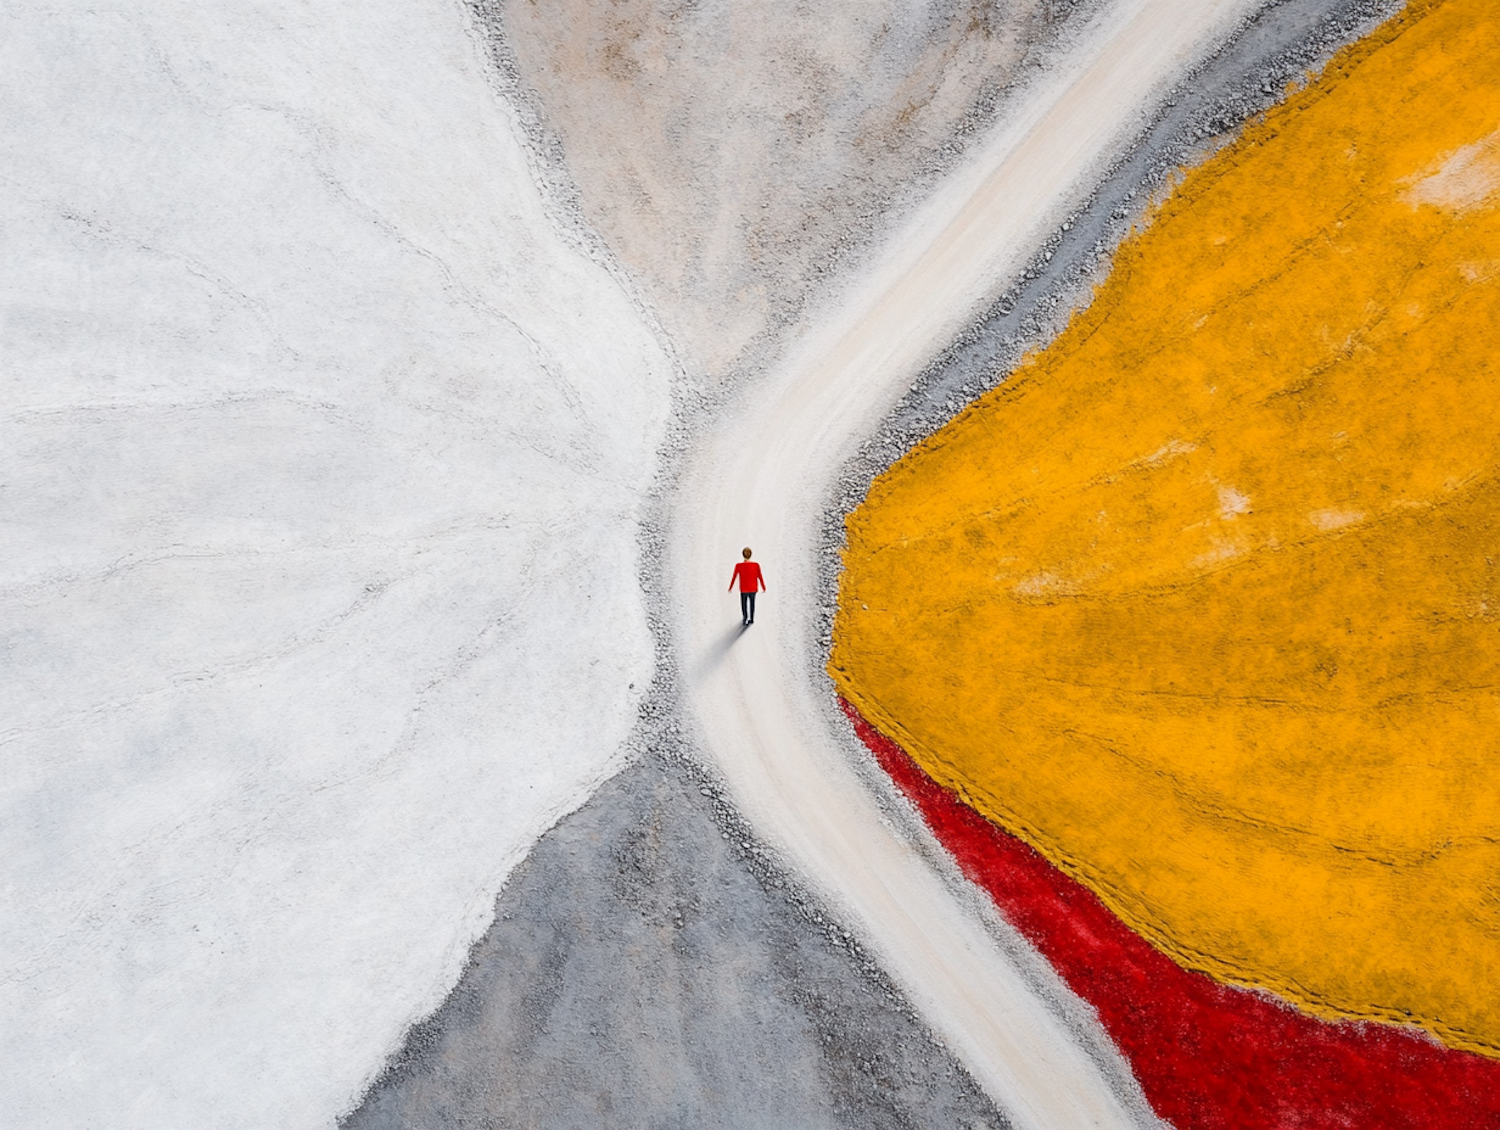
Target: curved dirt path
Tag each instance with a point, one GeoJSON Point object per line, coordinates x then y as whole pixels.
{"type": "Point", "coordinates": [761, 475]}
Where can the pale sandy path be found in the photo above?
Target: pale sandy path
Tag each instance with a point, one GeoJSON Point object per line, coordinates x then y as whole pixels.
{"type": "Point", "coordinates": [762, 474]}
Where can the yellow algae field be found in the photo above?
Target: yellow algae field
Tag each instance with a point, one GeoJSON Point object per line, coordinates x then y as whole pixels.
{"type": "Point", "coordinates": [1204, 602]}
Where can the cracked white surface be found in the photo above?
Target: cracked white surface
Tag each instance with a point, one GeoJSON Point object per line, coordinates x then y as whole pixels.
{"type": "Point", "coordinates": [320, 459]}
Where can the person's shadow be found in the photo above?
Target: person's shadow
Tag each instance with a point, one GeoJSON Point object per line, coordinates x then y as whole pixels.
{"type": "Point", "coordinates": [715, 653]}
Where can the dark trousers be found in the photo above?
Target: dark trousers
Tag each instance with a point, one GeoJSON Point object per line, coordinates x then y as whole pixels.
{"type": "Point", "coordinates": [747, 607]}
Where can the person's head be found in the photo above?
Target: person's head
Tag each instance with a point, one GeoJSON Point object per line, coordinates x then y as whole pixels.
{"type": "Point", "coordinates": [747, 553]}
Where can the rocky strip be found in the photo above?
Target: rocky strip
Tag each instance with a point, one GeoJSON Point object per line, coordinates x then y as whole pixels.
{"type": "Point", "coordinates": [650, 966]}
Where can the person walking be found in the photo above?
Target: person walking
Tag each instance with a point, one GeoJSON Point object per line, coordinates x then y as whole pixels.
{"type": "Point", "coordinates": [747, 572]}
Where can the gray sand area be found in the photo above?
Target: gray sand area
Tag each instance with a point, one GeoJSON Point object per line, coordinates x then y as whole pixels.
{"type": "Point", "coordinates": [647, 970]}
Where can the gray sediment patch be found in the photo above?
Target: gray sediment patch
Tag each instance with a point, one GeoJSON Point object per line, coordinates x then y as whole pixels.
{"type": "Point", "coordinates": [651, 966]}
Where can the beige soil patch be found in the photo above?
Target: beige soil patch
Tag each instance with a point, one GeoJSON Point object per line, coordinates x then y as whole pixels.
{"type": "Point", "coordinates": [728, 153]}
{"type": "Point", "coordinates": [1468, 178]}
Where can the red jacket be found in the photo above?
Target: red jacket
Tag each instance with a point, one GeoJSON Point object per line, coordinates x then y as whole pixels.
{"type": "Point", "coordinates": [748, 574]}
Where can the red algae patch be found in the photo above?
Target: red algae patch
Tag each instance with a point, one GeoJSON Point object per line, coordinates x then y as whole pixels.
{"type": "Point", "coordinates": [1208, 1057]}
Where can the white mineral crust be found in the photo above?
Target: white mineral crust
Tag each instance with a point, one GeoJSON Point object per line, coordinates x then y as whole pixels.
{"type": "Point", "coordinates": [321, 456]}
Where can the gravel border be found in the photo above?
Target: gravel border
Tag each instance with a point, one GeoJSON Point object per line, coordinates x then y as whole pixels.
{"type": "Point", "coordinates": [1281, 45]}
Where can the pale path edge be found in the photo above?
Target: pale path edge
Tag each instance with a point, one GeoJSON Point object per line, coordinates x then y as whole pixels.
{"type": "Point", "coordinates": [762, 473]}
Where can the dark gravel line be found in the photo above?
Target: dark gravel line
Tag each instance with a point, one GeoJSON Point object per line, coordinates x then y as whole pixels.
{"type": "Point", "coordinates": [1282, 44]}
